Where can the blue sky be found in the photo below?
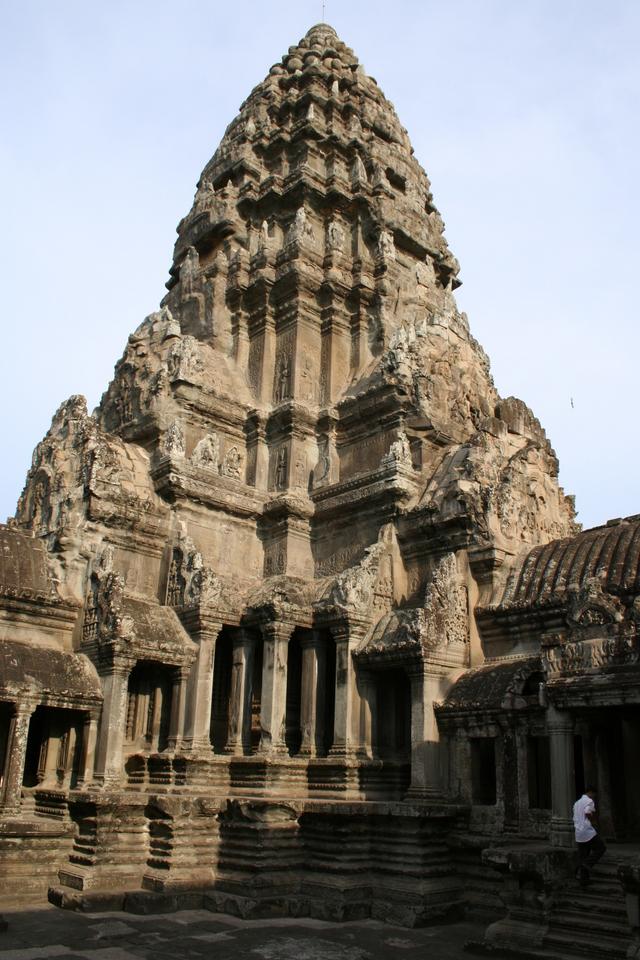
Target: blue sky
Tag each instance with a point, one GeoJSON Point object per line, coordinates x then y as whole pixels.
{"type": "Point", "coordinates": [524, 114]}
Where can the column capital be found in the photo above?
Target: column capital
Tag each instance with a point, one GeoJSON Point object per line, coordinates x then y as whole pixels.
{"type": "Point", "coordinates": [120, 667]}
{"type": "Point", "coordinates": [201, 623]}
{"type": "Point", "coordinates": [416, 671]}
{"type": "Point", "coordinates": [242, 637]}
{"type": "Point", "coordinates": [24, 708]}
{"type": "Point", "coordinates": [277, 630]}
{"type": "Point", "coordinates": [349, 631]}
{"type": "Point", "coordinates": [559, 721]}
{"type": "Point", "coordinates": [311, 639]}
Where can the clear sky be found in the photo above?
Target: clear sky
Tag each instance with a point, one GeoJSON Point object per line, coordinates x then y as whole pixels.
{"type": "Point", "coordinates": [525, 114]}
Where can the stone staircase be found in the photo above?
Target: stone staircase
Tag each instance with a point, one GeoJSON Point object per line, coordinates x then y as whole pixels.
{"type": "Point", "coordinates": [590, 922]}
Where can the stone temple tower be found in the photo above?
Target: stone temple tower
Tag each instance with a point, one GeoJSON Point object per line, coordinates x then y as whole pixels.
{"type": "Point", "coordinates": [251, 574]}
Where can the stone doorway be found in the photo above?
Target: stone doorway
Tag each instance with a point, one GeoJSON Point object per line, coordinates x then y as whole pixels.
{"type": "Point", "coordinates": [607, 745]}
{"type": "Point", "coordinates": [391, 726]}
{"type": "Point", "coordinates": [53, 748]}
{"type": "Point", "coordinates": [148, 708]}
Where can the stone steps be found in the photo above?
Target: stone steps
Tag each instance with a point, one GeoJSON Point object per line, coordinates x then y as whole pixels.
{"type": "Point", "coordinates": [591, 922]}
{"type": "Point", "coordinates": [567, 945]}
{"type": "Point", "coordinates": [602, 923]}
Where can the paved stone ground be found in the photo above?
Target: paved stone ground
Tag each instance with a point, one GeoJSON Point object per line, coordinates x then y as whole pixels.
{"type": "Point", "coordinates": [37, 934]}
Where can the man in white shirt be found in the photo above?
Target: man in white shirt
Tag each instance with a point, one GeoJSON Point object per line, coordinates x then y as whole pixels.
{"type": "Point", "coordinates": [590, 845]}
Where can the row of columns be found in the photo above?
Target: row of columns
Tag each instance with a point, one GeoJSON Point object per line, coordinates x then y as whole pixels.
{"type": "Point", "coordinates": [16, 754]}
{"type": "Point", "coordinates": [189, 731]}
{"type": "Point", "coordinates": [192, 697]}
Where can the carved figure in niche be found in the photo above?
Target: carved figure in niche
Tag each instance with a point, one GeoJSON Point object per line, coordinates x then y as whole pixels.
{"type": "Point", "coordinates": [358, 172]}
{"type": "Point", "coordinates": [175, 581]}
{"type": "Point", "coordinates": [386, 246]}
{"type": "Point", "coordinates": [205, 194]}
{"type": "Point", "coordinates": [306, 379]}
{"type": "Point", "coordinates": [284, 379]}
{"type": "Point", "coordinates": [425, 274]}
{"type": "Point", "coordinates": [90, 622]}
{"type": "Point", "coordinates": [126, 407]}
{"type": "Point", "coordinates": [300, 230]}
{"type": "Point", "coordinates": [300, 473]}
{"type": "Point", "coordinates": [263, 238]}
{"type": "Point", "coordinates": [275, 562]}
{"type": "Point", "coordinates": [174, 440]}
{"type": "Point", "coordinates": [335, 237]}
{"type": "Point", "coordinates": [281, 468]}
{"type": "Point", "coordinates": [400, 450]}
{"type": "Point", "coordinates": [323, 467]}
{"type": "Point", "coordinates": [232, 464]}
{"type": "Point", "coordinates": [436, 227]}
{"type": "Point", "coordinates": [378, 179]}
{"type": "Point", "coordinates": [207, 452]}
{"type": "Point", "coordinates": [184, 359]}
{"type": "Point", "coordinates": [189, 270]}
{"type": "Point", "coordinates": [40, 504]}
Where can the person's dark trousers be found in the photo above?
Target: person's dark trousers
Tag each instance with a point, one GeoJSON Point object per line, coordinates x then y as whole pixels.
{"type": "Point", "coordinates": [591, 851]}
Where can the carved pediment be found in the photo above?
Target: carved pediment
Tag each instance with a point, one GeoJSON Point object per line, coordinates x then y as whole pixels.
{"type": "Point", "coordinates": [591, 607]}
{"type": "Point", "coordinates": [190, 582]}
{"type": "Point", "coordinates": [439, 630]}
{"type": "Point", "coordinates": [365, 590]}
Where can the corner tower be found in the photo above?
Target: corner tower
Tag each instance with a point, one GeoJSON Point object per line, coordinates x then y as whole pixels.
{"type": "Point", "coordinates": [272, 535]}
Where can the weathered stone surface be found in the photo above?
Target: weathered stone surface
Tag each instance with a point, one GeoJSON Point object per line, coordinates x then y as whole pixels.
{"type": "Point", "coordinates": [299, 619]}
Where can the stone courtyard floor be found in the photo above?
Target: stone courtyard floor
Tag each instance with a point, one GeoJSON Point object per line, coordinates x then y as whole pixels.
{"type": "Point", "coordinates": [37, 934]}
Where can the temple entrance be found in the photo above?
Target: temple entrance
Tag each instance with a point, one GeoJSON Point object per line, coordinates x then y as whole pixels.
{"type": "Point", "coordinates": [293, 732]}
{"type": "Point", "coordinates": [392, 719]}
{"type": "Point", "coordinates": [219, 730]}
{"type": "Point", "coordinates": [148, 708]}
{"type": "Point", "coordinates": [53, 748]}
{"type": "Point", "coordinates": [607, 745]}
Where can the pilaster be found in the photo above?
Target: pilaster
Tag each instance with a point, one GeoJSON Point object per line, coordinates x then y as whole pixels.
{"type": "Point", "coordinates": [347, 741]}
{"type": "Point", "coordinates": [560, 729]}
{"type": "Point", "coordinates": [199, 691]}
{"type": "Point", "coordinates": [427, 761]}
{"type": "Point", "coordinates": [109, 749]}
{"type": "Point", "coordinates": [178, 706]}
{"type": "Point", "coordinates": [314, 662]}
{"type": "Point", "coordinates": [274, 688]}
{"type": "Point", "coordinates": [16, 754]}
{"type": "Point", "coordinates": [239, 738]}
{"type": "Point", "coordinates": [88, 751]}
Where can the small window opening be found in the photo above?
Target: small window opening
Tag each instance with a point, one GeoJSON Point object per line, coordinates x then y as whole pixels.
{"type": "Point", "coordinates": [539, 773]}
{"type": "Point", "coordinates": [483, 771]}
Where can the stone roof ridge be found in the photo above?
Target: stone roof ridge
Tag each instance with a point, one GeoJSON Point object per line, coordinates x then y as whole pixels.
{"type": "Point", "coordinates": [547, 573]}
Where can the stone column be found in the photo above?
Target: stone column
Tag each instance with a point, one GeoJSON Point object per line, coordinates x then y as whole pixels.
{"type": "Point", "coordinates": [560, 728]}
{"type": "Point", "coordinates": [314, 662]}
{"type": "Point", "coordinates": [367, 687]}
{"type": "Point", "coordinates": [199, 692]}
{"type": "Point", "coordinates": [178, 704]}
{"type": "Point", "coordinates": [109, 767]}
{"type": "Point", "coordinates": [88, 754]}
{"type": "Point", "coordinates": [427, 772]}
{"type": "Point", "coordinates": [16, 755]}
{"type": "Point", "coordinates": [511, 777]}
{"type": "Point", "coordinates": [239, 738]}
{"type": "Point", "coordinates": [274, 688]}
{"type": "Point", "coordinates": [346, 731]}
